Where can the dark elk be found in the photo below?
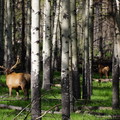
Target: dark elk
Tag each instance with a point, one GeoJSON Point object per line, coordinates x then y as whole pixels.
{"type": "Point", "coordinates": [17, 81]}
{"type": "Point", "coordinates": [103, 70]}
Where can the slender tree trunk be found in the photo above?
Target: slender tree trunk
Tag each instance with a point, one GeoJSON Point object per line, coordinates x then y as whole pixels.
{"type": "Point", "coordinates": [35, 60]}
{"type": "Point", "coordinates": [71, 76]}
{"type": "Point", "coordinates": [115, 83]}
{"type": "Point", "coordinates": [14, 30]}
{"type": "Point", "coordinates": [116, 62]}
{"type": "Point", "coordinates": [54, 39]}
{"type": "Point", "coordinates": [23, 36]}
{"type": "Point", "coordinates": [8, 34]}
{"type": "Point", "coordinates": [75, 73]}
{"type": "Point", "coordinates": [86, 79]}
{"type": "Point", "coordinates": [1, 21]}
{"type": "Point", "coordinates": [28, 39]}
{"type": "Point", "coordinates": [117, 14]}
{"type": "Point", "coordinates": [115, 73]}
{"type": "Point", "coordinates": [83, 40]}
{"type": "Point", "coordinates": [59, 44]}
{"type": "Point", "coordinates": [91, 43]}
{"type": "Point", "coordinates": [100, 37]}
{"type": "Point", "coordinates": [5, 35]}
{"type": "Point", "coordinates": [46, 47]}
{"type": "Point", "coordinates": [65, 27]}
{"type": "Point", "coordinates": [1, 29]}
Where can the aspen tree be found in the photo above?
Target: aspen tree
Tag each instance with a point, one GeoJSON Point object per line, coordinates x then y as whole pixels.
{"type": "Point", "coordinates": [65, 27]}
{"type": "Point", "coordinates": [35, 60]}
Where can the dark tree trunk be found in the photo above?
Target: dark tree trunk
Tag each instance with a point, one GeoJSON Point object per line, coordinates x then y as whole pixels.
{"type": "Point", "coordinates": [56, 6]}
{"type": "Point", "coordinates": [23, 52]}
{"type": "Point", "coordinates": [115, 85]}
{"type": "Point", "coordinates": [116, 55]}
{"type": "Point", "coordinates": [91, 18]}
{"type": "Point", "coordinates": [71, 78]}
{"type": "Point", "coordinates": [1, 30]}
{"type": "Point", "coordinates": [28, 36]}
{"type": "Point", "coordinates": [14, 31]}
{"type": "Point", "coordinates": [75, 72]}
{"type": "Point", "coordinates": [100, 37]}
{"type": "Point", "coordinates": [8, 34]}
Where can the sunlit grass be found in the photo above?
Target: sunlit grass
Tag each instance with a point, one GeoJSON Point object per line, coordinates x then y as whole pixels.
{"type": "Point", "coordinates": [83, 116]}
{"type": "Point", "coordinates": [54, 93]}
{"type": "Point", "coordinates": [102, 92]}
{"type": "Point", "coordinates": [7, 114]}
{"type": "Point", "coordinates": [101, 96]}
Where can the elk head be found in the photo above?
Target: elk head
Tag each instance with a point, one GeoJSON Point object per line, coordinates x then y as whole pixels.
{"type": "Point", "coordinates": [10, 70]}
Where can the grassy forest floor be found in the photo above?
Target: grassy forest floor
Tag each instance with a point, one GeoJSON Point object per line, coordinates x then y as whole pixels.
{"type": "Point", "coordinates": [98, 108]}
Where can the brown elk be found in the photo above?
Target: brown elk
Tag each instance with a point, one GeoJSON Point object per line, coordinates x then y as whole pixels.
{"type": "Point", "coordinates": [103, 70]}
{"type": "Point", "coordinates": [17, 81]}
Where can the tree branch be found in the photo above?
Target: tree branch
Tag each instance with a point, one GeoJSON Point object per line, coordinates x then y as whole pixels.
{"type": "Point", "coordinates": [47, 111]}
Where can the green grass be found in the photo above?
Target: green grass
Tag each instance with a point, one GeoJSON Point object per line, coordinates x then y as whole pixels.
{"type": "Point", "coordinates": [102, 93]}
{"type": "Point", "coordinates": [7, 114]}
{"type": "Point", "coordinates": [101, 96]}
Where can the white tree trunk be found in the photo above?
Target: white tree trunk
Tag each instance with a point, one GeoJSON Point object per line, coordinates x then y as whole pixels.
{"type": "Point", "coordinates": [35, 62]}
{"type": "Point", "coordinates": [46, 47]}
{"type": "Point", "coordinates": [65, 27]}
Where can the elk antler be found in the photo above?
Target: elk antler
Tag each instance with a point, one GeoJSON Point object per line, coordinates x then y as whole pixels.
{"type": "Point", "coordinates": [17, 62]}
{"type": "Point", "coordinates": [2, 67]}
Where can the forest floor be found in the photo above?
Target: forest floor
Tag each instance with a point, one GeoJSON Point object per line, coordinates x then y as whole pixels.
{"type": "Point", "coordinates": [98, 108]}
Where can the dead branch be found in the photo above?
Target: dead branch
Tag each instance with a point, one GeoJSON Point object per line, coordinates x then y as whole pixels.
{"type": "Point", "coordinates": [10, 107]}
{"type": "Point", "coordinates": [103, 80]}
{"type": "Point", "coordinates": [26, 108]}
{"type": "Point", "coordinates": [48, 111]}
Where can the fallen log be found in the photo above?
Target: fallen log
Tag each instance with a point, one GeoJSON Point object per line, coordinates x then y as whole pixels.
{"type": "Point", "coordinates": [102, 80]}
{"type": "Point", "coordinates": [3, 106]}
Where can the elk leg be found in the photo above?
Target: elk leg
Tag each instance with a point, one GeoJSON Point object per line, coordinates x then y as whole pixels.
{"type": "Point", "coordinates": [10, 91]}
{"type": "Point", "coordinates": [25, 90]}
{"type": "Point", "coordinates": [106, 75]}
{"type": "Point", "coordinates": [17, 92]}
{"type": "Point", "coordinates": [26, 93]}
{"type": "Point", "coordinates": [101, 75]}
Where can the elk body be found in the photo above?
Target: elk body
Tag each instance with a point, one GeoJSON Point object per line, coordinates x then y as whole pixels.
{"type": "Point", "coordinates": [103, 70]}
{"type": "Point", "coordinates": [17, 81]}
